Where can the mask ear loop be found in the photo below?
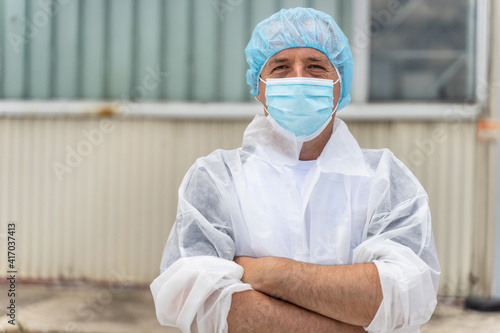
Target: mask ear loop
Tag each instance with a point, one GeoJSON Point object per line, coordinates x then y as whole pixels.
{"type": "Point", "coordinates": [259, 99]}
{"type": "Point", "coordinates": [334, 83]}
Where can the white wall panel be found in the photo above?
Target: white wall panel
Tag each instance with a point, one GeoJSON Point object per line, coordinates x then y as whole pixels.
{"type": "Point", "coordinates": [113, 212]}
{"type": "Point", "coordinates": [442, 157]}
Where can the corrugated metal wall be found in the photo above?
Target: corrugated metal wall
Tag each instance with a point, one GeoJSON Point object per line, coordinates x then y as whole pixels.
{"type": "Point", "coordinates": [111, 215]}
{"type": "Point", "coordinates": [442, 155]}
{"type": "Point", "coordinates": [112, 212]}
{"type": "Point", "coordinates": [96, 49]}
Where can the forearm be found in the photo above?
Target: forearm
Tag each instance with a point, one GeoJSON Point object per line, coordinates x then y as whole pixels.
{"type": "Point", "coordinates": [197, 291]}
{"type": "Point", "coordinates": [253, 311]}
{"type": "Point", "coordinates": [349, 293]}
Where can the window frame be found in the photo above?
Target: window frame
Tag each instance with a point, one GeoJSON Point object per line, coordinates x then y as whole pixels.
{"type": "Point", "coordinates": [363, 108]}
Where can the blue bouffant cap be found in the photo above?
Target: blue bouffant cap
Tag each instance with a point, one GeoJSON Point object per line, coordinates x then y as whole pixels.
{"type": "Point", "coordinates": [300, 27]}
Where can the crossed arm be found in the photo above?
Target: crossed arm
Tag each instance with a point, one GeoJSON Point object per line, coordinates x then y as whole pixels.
{"type": "Point", "coordinates": [316, 298]}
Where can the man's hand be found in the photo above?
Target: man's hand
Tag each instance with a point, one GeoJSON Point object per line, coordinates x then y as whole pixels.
{"type": "Point", "coordinates": [254, 269]}
{"type": "Point", "coordinates": [348, 293]}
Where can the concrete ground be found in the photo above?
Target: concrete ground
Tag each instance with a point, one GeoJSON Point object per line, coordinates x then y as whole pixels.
{"type": "Point", "coordinates": [90, 309]}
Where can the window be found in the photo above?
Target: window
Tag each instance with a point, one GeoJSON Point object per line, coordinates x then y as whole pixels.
{"type": "Point", "coordinates": [422, 50]}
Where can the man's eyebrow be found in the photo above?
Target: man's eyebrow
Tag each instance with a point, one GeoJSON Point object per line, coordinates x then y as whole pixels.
{"type": "Point", "coordinates": [325, 61]}
{"type": "Point", "coordinates": [278, 60]}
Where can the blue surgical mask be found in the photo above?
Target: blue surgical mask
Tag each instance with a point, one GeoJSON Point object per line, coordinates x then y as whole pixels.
{"type": "Point", "coordinates": [300, 105]}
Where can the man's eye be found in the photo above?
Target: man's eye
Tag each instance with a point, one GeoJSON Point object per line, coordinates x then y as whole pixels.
{"type": "Point", "coordinates": [316, 67]}
{"type": "Point", "coordinates": [279, 67]}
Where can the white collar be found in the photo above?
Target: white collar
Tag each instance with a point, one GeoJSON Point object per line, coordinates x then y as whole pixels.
{"type": "Point", "coordinates": [279, 147]}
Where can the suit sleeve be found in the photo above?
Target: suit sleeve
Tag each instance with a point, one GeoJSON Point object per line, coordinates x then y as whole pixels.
{"type": "Point", "coordinates": [398, 239]}
{"type": "Point", "coordinates": [198, 275]}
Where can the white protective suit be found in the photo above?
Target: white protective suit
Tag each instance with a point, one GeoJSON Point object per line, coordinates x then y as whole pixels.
{"type": "Point", "coordinates": [356, 206]}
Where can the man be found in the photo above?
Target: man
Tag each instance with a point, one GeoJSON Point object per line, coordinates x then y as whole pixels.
{"type": "Point", "coordinates": [299, 230]}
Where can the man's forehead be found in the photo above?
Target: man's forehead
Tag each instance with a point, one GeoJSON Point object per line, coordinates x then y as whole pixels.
{"type": "Point", "coordinates": [299, 53]}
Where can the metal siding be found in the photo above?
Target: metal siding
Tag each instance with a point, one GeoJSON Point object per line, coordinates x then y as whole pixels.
{"type": "Point", "coordinates": [447, 172]}
{"type": "Point", "coordinates": [496, 194]}
{"type": "Point", "coordinates": [235, 33]}
{"type": "Point", "coordinates": [119, 79]}
{"type": "Point", "coordinates": [497, 211]}
{"type": "Point", "coordinates": [261, 9]}
{"type": "Point", "coordinates": [39, 86]}
{"type": "Point", "coordinates": [3, 29]}
{"type": "Point", "coordinates": [484, 233]}
{"type": "Point", "coordinates": [294, 3]}
{"type": "Point", "coordinates": [14, 49]}
{"type": "Point", "coordinates": [178, 50]}
{"type": "Point", "coordinates": [67, 51]}
{"type": "Point", "coordinates": [148, 47]}
{"type": "Point", "coordinates": [206, 49]}
{"type": "Point", "coordinates": [103, 49]}
{"type": "Point", "coordinates": [331, 7]}
{"type": "Point", "coordinates": [113, 212]}
{"type": "Point", "coordinates": [93, 49]}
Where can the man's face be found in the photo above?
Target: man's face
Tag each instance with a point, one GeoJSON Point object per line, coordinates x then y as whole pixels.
{"type": "Point", "coordinates": [299, 62]}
